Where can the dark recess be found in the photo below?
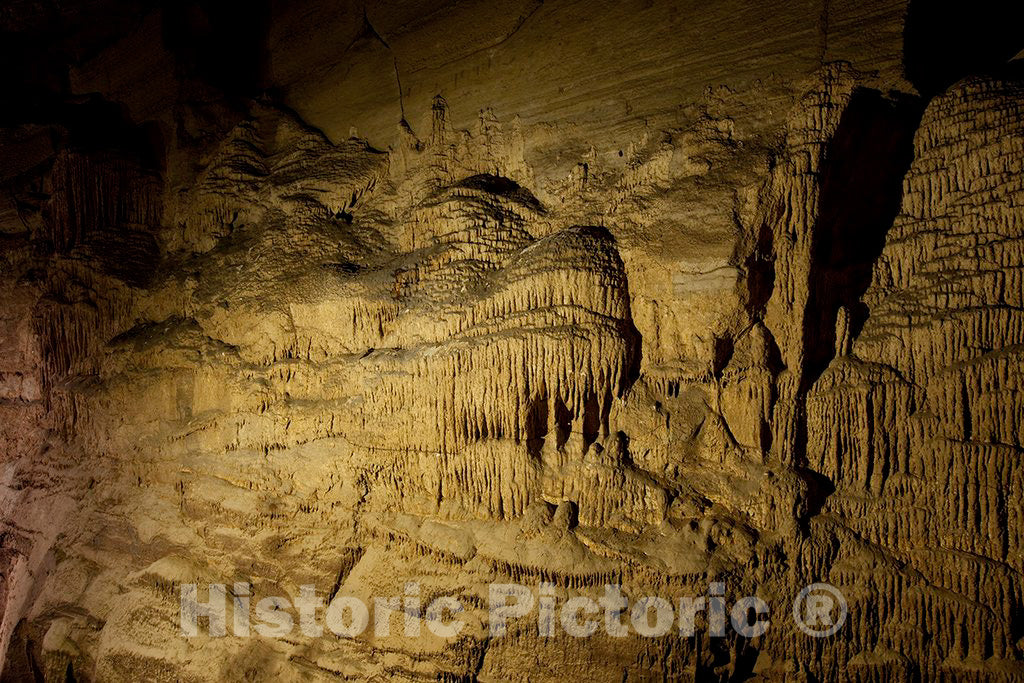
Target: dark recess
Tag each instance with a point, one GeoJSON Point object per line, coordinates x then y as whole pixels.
{"type": "Point", "coordinates": [223, 43]}
{"type": "Point", "coordinates": [945, 41]}
{"type": "Point", "coordinates": [861, 191]}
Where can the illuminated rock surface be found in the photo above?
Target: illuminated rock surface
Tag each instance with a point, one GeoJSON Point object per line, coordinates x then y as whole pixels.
{"type": "Point", "coordinates": [523, 292]}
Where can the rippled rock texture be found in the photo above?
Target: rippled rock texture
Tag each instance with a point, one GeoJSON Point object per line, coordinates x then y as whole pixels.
{"type": "Point", "coordinates": [659, 297]}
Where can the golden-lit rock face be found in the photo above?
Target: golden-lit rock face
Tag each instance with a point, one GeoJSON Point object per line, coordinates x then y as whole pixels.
{"type": "Point", "coordinates": [662, 317]}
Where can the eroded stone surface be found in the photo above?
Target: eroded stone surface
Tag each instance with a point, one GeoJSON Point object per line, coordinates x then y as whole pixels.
{"type": "Point", "coordinates": [772, 340]}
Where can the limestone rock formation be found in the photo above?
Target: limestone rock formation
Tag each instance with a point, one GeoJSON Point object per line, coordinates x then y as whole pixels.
{"type": "Point", "coordinates": [684, 301]}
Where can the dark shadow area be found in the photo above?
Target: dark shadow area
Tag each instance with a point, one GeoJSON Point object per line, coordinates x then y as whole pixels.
{"type": "Point", "coordinates": [563, 423]}
{"type": "Point", "coordinates": [536, 427]}
{"type": "Point", "coordinates": [129, 255]}
{"type": "Point", "coordinates": [89, 123]}
{"type": "Point", "coordinates": [724, 348]}
{"type": "Point", "coordinates": [23, 661]}
{"type": "Point", "coordinates": [819, 488]}
{"type": "Point", "coordinates": [222, 43]}
{"type": "Point", "coordinates": [746, 655]}
{"type": "Point", "coordinates": [944, 41]}
{"type": "Point", "coordinates": [861, 191]}
{"type": "Point", "coordinates": [40, 40]}
{"type": "Point", "coordinates": [33, 76]}
{"type": "Point", "coordinates": [102, 194]}
{"type": "Point", "coordinates": [503, 187]}
{"type": "Point", "coordinates": [96, 125]}
{"type": "Point", "coordinates": [760, 269]}
{"type": "Point", "coordinates": [591, 419]}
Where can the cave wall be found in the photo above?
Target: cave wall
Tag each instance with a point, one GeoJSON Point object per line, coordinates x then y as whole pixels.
{"type": "Point", "coordinates": [645, 293]}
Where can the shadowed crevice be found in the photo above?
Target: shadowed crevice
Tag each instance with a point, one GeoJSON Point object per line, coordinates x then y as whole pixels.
{"type": "Point", "coordinates": [861, 191]}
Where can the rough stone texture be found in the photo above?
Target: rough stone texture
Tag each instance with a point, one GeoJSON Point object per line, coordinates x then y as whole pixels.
{"type": "Point", "coordinates": [650, 294]}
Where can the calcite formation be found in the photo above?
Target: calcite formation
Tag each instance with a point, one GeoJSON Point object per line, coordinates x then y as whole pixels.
{"type": "Point", "coordinates": [735, 317]}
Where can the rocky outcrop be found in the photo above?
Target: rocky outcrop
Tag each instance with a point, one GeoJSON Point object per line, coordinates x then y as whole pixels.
{"type": "Point", "coordinates": [915, 426]}
{"type": "Point", "coordinates": [757, 335]}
